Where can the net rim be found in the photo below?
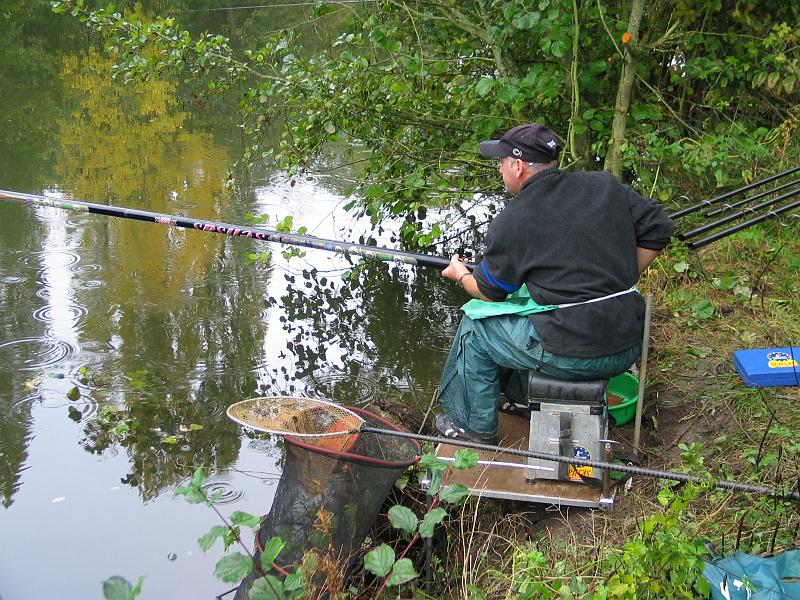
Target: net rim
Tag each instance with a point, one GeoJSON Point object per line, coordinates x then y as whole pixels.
{"type": "Point", "coordinates": [295, 434]}
{"type": "Point", "coordinates": [360, 458]}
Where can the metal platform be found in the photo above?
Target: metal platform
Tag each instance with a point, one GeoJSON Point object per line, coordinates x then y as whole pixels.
{"type": "Point", "coordinates": [495, 480]}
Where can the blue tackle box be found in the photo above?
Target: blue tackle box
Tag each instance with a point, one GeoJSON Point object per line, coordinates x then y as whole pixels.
{"type": "Point", "coordinates": [767, 367]}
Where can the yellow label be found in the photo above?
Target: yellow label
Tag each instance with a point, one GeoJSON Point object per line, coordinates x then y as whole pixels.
{"type": "Point", "coordinates": [576, 472]}
{"type": "Point", "coordinates": [776, 364]}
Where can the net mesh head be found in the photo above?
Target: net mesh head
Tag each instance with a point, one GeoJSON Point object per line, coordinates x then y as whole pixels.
{"type": "Point", "coordinates": [327, 501]}
{"type": "Point", "coordinates": [299, 417]}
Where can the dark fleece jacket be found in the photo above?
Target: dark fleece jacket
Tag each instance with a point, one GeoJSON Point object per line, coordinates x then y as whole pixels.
{"type": "Point", "coordinates": [572, 237]}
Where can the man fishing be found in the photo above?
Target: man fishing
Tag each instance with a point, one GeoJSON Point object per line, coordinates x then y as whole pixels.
{"type": "Point", "coordinates": [555, 288]}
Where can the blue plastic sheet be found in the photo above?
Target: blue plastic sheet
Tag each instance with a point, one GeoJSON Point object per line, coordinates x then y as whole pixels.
{"type": "Point", "coordinates": [743, 576]}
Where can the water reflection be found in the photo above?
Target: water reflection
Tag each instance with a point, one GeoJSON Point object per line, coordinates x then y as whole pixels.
{"type": "Point", "coordinates": [122, 343]}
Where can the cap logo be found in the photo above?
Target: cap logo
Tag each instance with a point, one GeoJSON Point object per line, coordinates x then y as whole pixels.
{"type": "Point", "coordinates": [516, 152]}
{"type": "Point", "coordinates": [552, 143]}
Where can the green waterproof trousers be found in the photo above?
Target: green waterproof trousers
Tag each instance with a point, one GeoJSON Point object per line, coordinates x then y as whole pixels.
{"type": "Point", "coordinates": [483, 352]}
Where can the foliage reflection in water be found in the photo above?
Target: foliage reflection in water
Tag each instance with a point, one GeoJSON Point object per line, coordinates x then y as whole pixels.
{"type": "Point", "coordinates": [122, 343]}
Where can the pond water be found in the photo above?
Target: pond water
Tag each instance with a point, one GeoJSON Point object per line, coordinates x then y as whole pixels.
{"type": "Point", "coordinates": [122, 343]}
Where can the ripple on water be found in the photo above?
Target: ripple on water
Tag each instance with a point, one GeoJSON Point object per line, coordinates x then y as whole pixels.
{"type": "Point", "coordinates": [228, 493]}
{"type": "Point", "coordinates": [22, 407]}
{"type": "Point", "coordinates": [50, 258]}
{"type": "Point", "coordinates": [12, 279]}
{"type": "Point", "coordinates": [79, 410]}
{"type": "Point", "coordinates": [30, 354]}
{"type": "Point", "coordinates": [90, 268]}
{"type": "Point", "coordinates": [48, 314]}
{"type": "Point", "coordinates": [83, 410]}
{"type": "Point", "coordinates": [344, 388]}
{"type": "Point", "coordinates": [45, 291]}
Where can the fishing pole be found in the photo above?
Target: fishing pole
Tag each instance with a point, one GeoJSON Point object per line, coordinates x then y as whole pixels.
{"type": "Point", "coordinates": [726, 232]}
{"type": "Point", "coordinates": [630, 469]}
{"type": "Point", "coordinates": [258, 233]}
{"type": "Point", "coordinates": [726, 207]}
{"type": "Point", "coordinates": [690, 209]}
{"type": "Point", "coordinates": [732, 217]}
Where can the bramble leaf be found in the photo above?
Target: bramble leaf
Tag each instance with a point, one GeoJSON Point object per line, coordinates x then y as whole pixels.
{"type": "Point", "coordinates": [268, 587]}
{"type": "Point", "coordinates": [403, 518]}
{"type": "Point", "coordinates": [402, 572]}
{"type": "Point", "coordinates": [234, 567]}
{"type": "Point", "coordinates": [430, 521]}
{"type": "Point", "coordinates": [379, 561]}
{"type": "Point", "coordinates": [206, 541]}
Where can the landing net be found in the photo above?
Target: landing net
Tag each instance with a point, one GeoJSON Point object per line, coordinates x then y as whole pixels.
{"type": "Point", "coordinates": [298, 417]}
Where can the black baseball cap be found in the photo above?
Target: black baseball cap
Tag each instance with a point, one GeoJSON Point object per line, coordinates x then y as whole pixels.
{"type": "Point", "coordinates": [532, 143]}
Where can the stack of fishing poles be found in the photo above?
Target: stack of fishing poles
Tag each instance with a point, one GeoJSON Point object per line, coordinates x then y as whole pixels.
{"type": "Point", "coordinates": [780, 198]}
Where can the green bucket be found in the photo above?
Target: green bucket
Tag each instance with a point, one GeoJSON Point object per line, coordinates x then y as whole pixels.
{"type": "Point", "coordinates": [626, 389]}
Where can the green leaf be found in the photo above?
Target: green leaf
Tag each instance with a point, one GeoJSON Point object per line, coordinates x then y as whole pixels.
{"type": "Point", "coordinates": [271, 551]}
{"type": "Point", "coordinates": [191, 494]}
{"type": "Point", "coordinates": [402, 517]}
{"type": "Point", "coordinates": [379, 561]}
{"type": "Point", "coordinates": [234, 567]}
{"type": "Point", "coordinates": [703, 310]}
{"type": "Point", "coordinates": [74, 393]}
{"type": "Point", "coordinates": [508, 94]}
{"type": "Point", "coordinates": [527, 20]}
{"type": "Point", "coordinates": [484, 86]}
{"type": "Point", "coordinates": [239, 517]}
{"type": "Point", "coordinates": [402, 572]}
{"type": "Point", "coordinates": [118, 588]}
{"type": "Point", "coordinates": [466, 459]}
{"type": "Point", "coordinates": [295, 582]}
{"type": "Point", "coordinates": [268, 587]}
{"type": "Point", "coordinates": [432, 462]}
{"type": "Point", "coordinates": [681, 267]}
{"type": "Point", "coordinates": [206, 541]}
{"type": "Point", "coordinates": [199, 477]}
{"type": "Point", "coordinates": [454, 493]}
{"type": "Point", "coordinates": [430, 521]}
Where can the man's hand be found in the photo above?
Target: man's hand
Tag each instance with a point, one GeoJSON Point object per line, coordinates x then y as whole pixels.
{"type": "Point", "coordinates": [457, 271]}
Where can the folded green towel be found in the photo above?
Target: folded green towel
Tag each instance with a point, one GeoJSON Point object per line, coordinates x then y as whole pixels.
{"type": "Point", "coordinates": [518, 303]}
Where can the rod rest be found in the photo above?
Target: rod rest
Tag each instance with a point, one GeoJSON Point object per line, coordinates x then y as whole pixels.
{"type": "Point", "coordinates": [543, 388]}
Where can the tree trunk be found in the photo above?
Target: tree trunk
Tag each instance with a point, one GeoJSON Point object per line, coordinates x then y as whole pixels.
{"type": "Point", "coordinates": [614, 157]}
